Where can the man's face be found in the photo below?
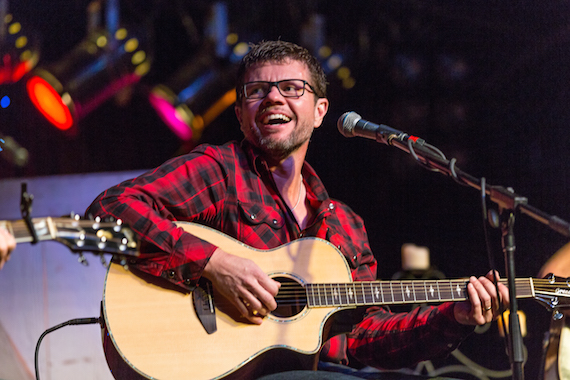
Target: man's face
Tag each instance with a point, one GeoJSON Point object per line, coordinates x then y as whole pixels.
{"type": "Point", "coordinates": [276, 124]}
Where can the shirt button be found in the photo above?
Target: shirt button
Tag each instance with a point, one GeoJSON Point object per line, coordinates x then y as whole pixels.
{"type": "Point", "coordinates": [170, 274]}
{"type": "Point", "coordinates": [301, 234]}
{"type": "Point", "coordinates": [331, 206]}
{"type": "Point", "coordinates": [252, 216]}
{"type": "Point", "coordinates": [187, 281]}
{"type": "Point", "coordinates": [275, 221]}
{"type": "Point", "coordinates": [354, 257]}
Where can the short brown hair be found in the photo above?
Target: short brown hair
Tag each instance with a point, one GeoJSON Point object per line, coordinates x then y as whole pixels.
{"type": "Point", "coordinates": [280, 51]}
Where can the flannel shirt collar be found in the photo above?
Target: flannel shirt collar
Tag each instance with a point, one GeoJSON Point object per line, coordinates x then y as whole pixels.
{"type": "Point", "coordinates": [316, 190]}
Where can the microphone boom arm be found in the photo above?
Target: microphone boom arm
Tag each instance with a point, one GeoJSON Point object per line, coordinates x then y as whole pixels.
{"type": "Point", "coordinates": [505, 198]}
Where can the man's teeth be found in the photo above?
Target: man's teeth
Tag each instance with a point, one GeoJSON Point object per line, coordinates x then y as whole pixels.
{"type": "Point", "coordinates": [276, 119]}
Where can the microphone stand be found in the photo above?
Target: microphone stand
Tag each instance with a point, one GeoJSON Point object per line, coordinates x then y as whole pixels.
{"type": "Point", "coordinates": [508, 202]}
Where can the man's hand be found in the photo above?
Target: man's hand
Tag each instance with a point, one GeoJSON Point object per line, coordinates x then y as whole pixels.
{"type": "Point", "coordinates": [243, 283]}
{"type": "Point", "coordinates": [7, 245]}
{"type": "Point", "coordinates": [483, 304]}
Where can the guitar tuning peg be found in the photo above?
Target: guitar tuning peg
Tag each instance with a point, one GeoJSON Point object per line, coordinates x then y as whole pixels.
{"type": "Point", "coordinates": [557, 315]}
{"type": "Point", "coordinates": [82, 260]}
{"type": "Point", "coordinates": [103, 261]}
{"type": "Point", "coordinates": [123, 263]}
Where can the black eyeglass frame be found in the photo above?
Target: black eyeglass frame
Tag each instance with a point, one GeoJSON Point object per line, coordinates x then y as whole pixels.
{"type": "Point", "coordinates": [276, 84]}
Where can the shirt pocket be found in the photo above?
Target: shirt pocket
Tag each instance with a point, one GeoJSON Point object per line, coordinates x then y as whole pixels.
{"type": "Point", "coordinates": [261, 227]}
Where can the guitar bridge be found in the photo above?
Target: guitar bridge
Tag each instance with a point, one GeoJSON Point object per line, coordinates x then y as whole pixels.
{"type": "Point", "coordinates": [203, 297]}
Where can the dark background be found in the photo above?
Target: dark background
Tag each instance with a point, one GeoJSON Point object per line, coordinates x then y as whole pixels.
{"type": "Point", "coordinates": [486, 82]}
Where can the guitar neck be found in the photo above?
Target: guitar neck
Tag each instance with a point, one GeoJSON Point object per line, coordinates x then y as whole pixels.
{"type": "Point", "coordinates": [398, 292]}
{"type": "Point", "coordinates": [45, 229]}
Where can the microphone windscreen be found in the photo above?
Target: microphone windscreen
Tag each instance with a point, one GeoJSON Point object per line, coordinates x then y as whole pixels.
{"type": "Point", "coordinates": [347, 122]}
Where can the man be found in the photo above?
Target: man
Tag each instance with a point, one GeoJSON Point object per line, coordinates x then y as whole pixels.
{"type": "Point", "coordinates": [263, 193]}
{"type": "Point", "coordinates": [7, 245]}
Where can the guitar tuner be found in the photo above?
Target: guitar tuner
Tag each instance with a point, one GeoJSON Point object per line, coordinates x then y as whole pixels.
{"type": "Point", "coordinates": [103, 261]}
{"type": "Point", "coordinates": [82, 260]}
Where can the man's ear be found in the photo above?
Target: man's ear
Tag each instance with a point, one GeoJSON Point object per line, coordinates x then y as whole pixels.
{"type": "Point", "coordinates": [321, 109]}
{"type": "Point", "coordinates": [237, 110]}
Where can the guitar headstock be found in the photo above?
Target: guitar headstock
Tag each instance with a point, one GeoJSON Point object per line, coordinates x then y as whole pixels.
{"type": "Point", "coordinates": [553, 291]}
{"type": "Point", "coordinates": [96, 236]}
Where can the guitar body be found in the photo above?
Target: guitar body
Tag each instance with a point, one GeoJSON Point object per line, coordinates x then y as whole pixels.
{"type": "Point", "coordinates": [155, 330]}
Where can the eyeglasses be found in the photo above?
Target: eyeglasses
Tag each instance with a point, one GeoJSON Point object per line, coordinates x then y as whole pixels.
{"type": "Point", "coordinates": [289, 88]}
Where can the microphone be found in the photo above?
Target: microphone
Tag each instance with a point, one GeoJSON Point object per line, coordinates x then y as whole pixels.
{"type": "Point", "coordinates": [350, 124]}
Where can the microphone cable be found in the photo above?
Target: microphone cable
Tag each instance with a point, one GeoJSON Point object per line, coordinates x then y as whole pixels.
{"type": "Point", "coordinates": [77, 321]}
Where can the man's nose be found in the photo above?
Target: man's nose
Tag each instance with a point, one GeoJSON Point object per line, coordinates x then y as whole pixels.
{"type": "Point", "coordinates": [273, 92]}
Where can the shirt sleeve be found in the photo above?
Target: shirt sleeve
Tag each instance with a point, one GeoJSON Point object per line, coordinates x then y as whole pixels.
{"type": "Point", "coordinates": [398, 340]}
{"type": "Point", "coordinates": [187, 188]}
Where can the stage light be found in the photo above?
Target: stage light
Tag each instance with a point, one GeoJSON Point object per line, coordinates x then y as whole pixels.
{"type": "Point", "coordinates": [81, 81]}
{"type": "Point", "coordinates": [19, 50]}
{"type": "Point", "coordinates": [5, 101]}
{"type": "Point", "coordinates": [47, 100]}
{"type": "Point", "coordinates": [198, 92]}
{"type": "Point", "coordinates": [203, 88]}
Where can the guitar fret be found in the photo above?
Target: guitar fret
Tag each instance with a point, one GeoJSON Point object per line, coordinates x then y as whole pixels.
{"type": "Point", "coordinates": [337, 300]}
{"type": "Point", "coordinates": [349, 294]}
{"type": "Point", "coordinates": [363, 293]}
{"type": "Point", "coordinates": [309, 291]}
{"type": "Point", "coordinates": [405, 292]}
{"type": "Point", "coordinates": [333, 295]}
{"type": "Point", "coordinates": [460, 291]}
{"type": "Point", "coordinates": [448, 291]}
{"type": "Point", "coordinates": [431, 291]}
{"type": "Point", "coordinates": [374, 292]}
{"type": "Point", "coordinates": [399, 295]}
{"type": "Point", "coordinates": [313, 294]}
{"type": "Point", "coordinates": [419, 291]}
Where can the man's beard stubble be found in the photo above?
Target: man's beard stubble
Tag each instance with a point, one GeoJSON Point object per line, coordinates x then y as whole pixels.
{"type": "Point", "coordinates": [280, 149]}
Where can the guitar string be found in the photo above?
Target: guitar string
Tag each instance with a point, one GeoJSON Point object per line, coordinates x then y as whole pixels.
{"type": "Point", "coordinates": [522, 284]}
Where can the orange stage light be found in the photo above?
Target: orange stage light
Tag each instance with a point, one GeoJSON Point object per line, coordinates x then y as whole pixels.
{"type": "Point", "coordinates": [46, 99]}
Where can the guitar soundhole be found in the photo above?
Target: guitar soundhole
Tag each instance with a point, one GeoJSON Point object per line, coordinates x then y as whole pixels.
{"type": "Point", "coordinates": [291, 299]}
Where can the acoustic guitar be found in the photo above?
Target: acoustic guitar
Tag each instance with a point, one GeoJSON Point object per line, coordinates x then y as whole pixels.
{"type": "Point", "coordinates": [156, 331]}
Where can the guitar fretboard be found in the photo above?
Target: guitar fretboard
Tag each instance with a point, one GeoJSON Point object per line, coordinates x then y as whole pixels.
{"type": "Point", "coordinates": [397, 292]}
{"type": "Point", "coordinates": [19, 229]}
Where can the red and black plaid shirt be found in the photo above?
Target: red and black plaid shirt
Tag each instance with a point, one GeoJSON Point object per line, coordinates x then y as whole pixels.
{"type": "Point", "coordinates": [230, 188]}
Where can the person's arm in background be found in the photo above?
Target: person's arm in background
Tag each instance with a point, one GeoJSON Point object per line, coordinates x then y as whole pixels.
{"type": "Point", "coordinates": [7, 245]}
